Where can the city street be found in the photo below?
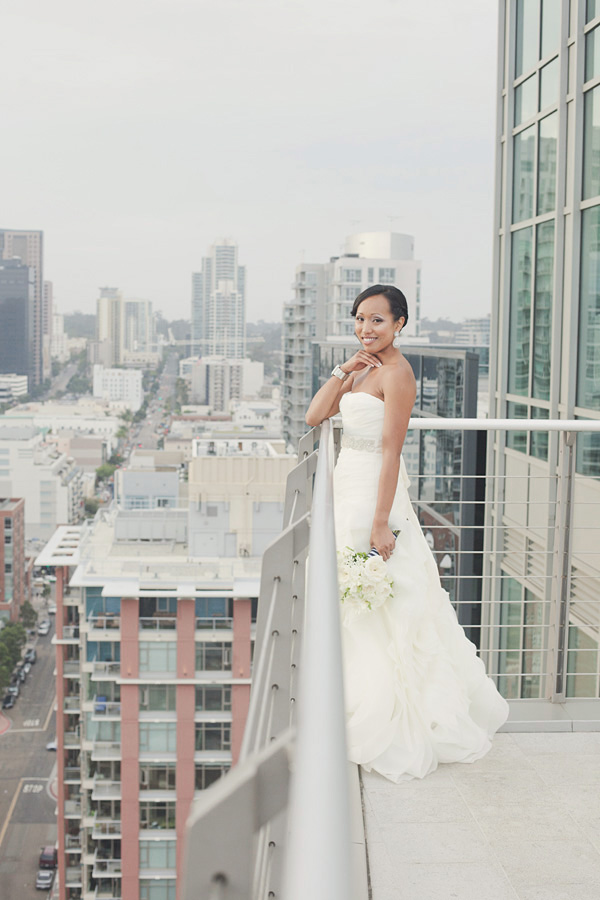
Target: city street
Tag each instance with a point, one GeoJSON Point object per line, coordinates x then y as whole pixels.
{"type": "Point", "coordinates": [147, 436]}
{"type": "Point", "coordinates": [27, 811]}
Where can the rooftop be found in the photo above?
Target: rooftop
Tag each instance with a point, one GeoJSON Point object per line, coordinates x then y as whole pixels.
{"type": "Point", "coordinates": [520, 824]}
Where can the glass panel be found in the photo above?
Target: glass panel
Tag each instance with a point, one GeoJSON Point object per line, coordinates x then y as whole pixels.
{"type": "Point", "coordinates": [523, 180]}
{"type": "Point", "coordinates": [592, 54]}
{"type": "Point", "coordinates": [528, 35]}
{"type": "Point", "coordinates": [591, 144]}
{"type": "Point", "coordinates": [549, 77]}
{"type": "Point", "coordinates": [588, 374]}
{"type": "Point", "coordinates": [539, 439]}
{"type": "Point", "coordinates": [542, 318]}
{"type": "Point", "coordinates": [546, 200]}
{"type": "Point", "coordinates": [551, 10]}
{"type": "Point", "coordinates": [582, 664]}
{"type": "Point", "coordinates": [593, 10]}
{"type": "Point", "coordinates": [520, 312]}
{"type": "Point", "coordinates": [526, 100]}
{"type": "Point", "coordinates": [588, 454]}
{"type": "Point", "coordinates": [517, 440]}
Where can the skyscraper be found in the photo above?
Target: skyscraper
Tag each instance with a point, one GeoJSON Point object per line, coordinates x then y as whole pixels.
{"type": "Point", "coordinates": [218, 303]}
{"type": "Point", "coordinates": [16, 318]}
{"type": "Point", "coordinates": [124, 327]}
{"type": "Point", "coordinates": [28, 246]}
{"type": "Point", "coordinates": [545, 347]}
{"type": "Point", "coordinates": [323, 297]}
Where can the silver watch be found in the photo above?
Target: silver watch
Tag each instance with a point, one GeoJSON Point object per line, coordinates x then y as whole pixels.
{"type": "Point", "coordinates": [339, 373]}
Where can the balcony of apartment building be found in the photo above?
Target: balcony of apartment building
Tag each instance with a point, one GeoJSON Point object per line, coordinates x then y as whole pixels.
{"type": "Point", "coordinates": [519, 557]}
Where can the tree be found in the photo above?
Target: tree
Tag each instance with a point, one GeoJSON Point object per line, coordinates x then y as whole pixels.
{"type": "Point", "coordinates": [104, 472]}
{"type": "Point", "coordinates": [46, 591]}
{"type": "Point", "coordinates": [91, 506]}
{"type": "Point", "coordinates": [122, 432]}
{"type": "Point", "coordinates": [28, 615]}
{"type": "Point", "coordinates": [12, 639]}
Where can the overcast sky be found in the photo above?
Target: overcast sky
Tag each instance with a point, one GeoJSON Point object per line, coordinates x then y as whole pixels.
{"type": "Point", "coordinates": [136, 132]}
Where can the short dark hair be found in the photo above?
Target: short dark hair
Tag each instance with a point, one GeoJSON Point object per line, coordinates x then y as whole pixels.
{"type": "Point", "coordinates": [393, 295]}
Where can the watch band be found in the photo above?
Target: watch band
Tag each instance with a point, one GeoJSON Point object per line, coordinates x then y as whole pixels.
{"type": "Point", "coordinates": [339, 373]}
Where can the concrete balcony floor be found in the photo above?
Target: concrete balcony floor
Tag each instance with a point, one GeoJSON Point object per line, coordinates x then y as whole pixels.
{"type": "Point", "coordinates": [521, 824]}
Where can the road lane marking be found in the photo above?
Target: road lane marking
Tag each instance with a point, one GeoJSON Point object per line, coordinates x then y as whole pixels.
{"type": "Point", "coordinates": [28, 729]}
{"type": "Point", "coordinates": [31, 723]}
{"type": "Point", "coordinates": [11, 809]}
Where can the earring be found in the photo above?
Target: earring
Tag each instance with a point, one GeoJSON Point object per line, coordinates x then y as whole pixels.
{"type": "Point", "coordinates": [397, 339]}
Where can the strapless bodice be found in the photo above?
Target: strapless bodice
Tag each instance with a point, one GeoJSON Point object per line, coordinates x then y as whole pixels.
{"type": "Point", "coordinates": [362, 420]}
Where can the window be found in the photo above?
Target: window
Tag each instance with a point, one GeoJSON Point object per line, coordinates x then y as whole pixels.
{"type": "Point", "coordinates": [353, 275]}
{"type": "Point", "coordinates": [213, 698]}
{"type": "Point", "coordinates": [8, 524]}
{"type": "Point", "coordinates": [387, 276]}
{"type": "Point", "coordinates": [158, 854]}
{"type": "Point", "coordinates": [591, 144]}
{"type": "Point", "coordinates": [539, 439]}
{"type": "Point", "coordinates": [371, 275]}
{"type": "Point", "coordinates": [588, 454]}
{"type": "Point", "coordinates": [160, 737]}
{"type": "Point", "coordinates": [158, 697]}
{"type": "Point", "coordinates": [546, 199]}
{"type": "Point", "coordinates": [207, 774]}
{"type": "Point", "coordinates": [158, 889]}
{"type": "Point", "coordinates": [523, 176]}
{"type": "Point", "coordinates": [588, 355]}
{"type": "Point", "coordinates": [520, 312]}
{"type": "Point", "coordinates": [592, 10]}
{"type": "Point", "coordinates": [528, 35]}
{"type": "Point", "coordinates": [517, 440]}
{"type": "Point", "coordinates": [213, 656]}
{"type": "Point", "coordinates": [157, 776]}
{"type": "Point", "coordinates": [526, 102]}
{"type": "Point", "coordinates": [549, 78]}
{"type": "Point", "coordinates": [592, 54]}
{"type": "Point", "coordinates": [213, 736]}
{"type": "Point", "coordinates": [551, 12]}
{"type": "Point", "coordinates": [157, 814]}
{"type": "Point", "coordinates": [542, 310]}
{"type": "Point", "coordinates": [158, 657]}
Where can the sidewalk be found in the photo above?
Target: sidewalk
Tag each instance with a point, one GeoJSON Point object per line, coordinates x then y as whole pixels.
{"type": "Point", "coordinates": [5, 723]}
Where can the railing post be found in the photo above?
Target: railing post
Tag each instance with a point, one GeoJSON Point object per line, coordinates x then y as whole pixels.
{"type": "Point", "coordinates": [561, 571]}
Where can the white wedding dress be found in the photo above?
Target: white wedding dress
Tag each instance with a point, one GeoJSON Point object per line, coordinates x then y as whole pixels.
{"type": "Point", "coordinates": [416, 692]}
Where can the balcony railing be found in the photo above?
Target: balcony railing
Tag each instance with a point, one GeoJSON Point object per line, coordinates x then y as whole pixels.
{"type": "Point", "coordinates": [517, 551]}
{"type": "Point", "coordinates": [104, 622]}
{"type": "Point", "coordinates": [106, 828]}
{"type": "Point", "coordinates": [104, 789]}
{"type": "Point", "coordinates": [106, 868]}
{"type": "Point", "coordinates": [73, 808]}
{"type": "Point", "coordinates": [213, 623]}
{"type": "Point", "coordinates": [71, 667]}
{"type": "Point", "coordinates": [105, 708]}
{"type": "Point", "coordinates": [104, 669]}
{"type": "Point", "coordinates": [158, 623]}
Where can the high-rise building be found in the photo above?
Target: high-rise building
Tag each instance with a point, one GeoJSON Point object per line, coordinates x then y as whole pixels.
{"type": "Point", "coordinates": [12, 557]}
{"type": "Point", "coordinates": [118, 386]}
{"type": "Point", "coordinates": [28, 246]}
{"type": "Point", "coordinates": [218, 303]}
{"type": "Point", "coordinates": [323, 298]}
{"type": "Point", "coordinates": [16, 318]}
{"type": "Point", "coordinates": [47, 322]}
{"type": "Point", "coordinates": [125, 329]}
{"type": "Point", "coordinates": [545, 347]}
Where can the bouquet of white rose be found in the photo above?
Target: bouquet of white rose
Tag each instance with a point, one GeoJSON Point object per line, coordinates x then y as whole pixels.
{"type": "Point", "coordinates": [363, 580]}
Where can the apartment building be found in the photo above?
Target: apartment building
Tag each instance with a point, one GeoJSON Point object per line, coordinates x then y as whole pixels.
{"type": "Point", "coordinates": [13, 581]}
{"type": "Point", "coordinates": [219, 303]}
{"type": "Point", "coordinates": [121, 386]}
{"type": "Point", "coordinates": [50, 482]}
{"type": "Point", "coordinates": [26, 248]}
{"type": "Point", "coordinates": [323, 298]}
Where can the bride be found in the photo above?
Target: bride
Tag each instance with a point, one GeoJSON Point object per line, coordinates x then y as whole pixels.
{"type": "Point", "coordinates": [416, 692]}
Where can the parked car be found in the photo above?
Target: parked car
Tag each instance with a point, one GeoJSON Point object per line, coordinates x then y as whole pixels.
{"type": "Point", "coordinates": [20, 675]}
{"type": "Point", "coordinates": [44, 879]}
{"type": "Point", "coordinates": [27, 668]}
{"type": "Point", "coordinates": [30, 655]}
{"type": "Point", "coordinates": [14, 689]}
{"type": "Point", "coordinates": [52, 745]}
{"type": "Point", "coordinates": [8, 702]}
{"type": "Point", "coordinates": [52, 609]}
{"type": "Point", "coordinates": [48, 857]}
{"type": "Point", "coordinates": [51, 578]}
{"type": "Point", "coordinates": [44, 628]}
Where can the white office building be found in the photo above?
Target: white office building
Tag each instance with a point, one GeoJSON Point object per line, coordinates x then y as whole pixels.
{"type": "Point", "coordinates": [12, 387]}
{"type": "Point", "coordinates": [123, 386]}
{"type": "Point", "coordinates": [218, 303]}
{"type": "Point", "coordinates": [323, 298]}
{"type": "Point", "coordinates": [50, 482]}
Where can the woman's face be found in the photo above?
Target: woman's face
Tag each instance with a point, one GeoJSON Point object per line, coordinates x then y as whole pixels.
{"type": "Point", "coordinates": [375, 325]}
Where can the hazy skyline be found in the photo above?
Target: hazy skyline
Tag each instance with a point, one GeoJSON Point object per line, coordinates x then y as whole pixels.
{"type": "Point", "coordinates": [137, 133]}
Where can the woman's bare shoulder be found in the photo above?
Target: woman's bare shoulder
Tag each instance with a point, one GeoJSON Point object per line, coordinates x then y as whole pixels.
{"type": "Point", "coordinates": [400, 376]}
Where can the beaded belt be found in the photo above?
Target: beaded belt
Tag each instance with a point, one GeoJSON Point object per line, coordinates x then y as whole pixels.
{"type": "Point", "coordinates": [349, 442]}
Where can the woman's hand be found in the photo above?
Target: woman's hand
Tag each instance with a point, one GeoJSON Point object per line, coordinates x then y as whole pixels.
{"type": "Point", "coordinates": [382, 538]}
{"type": "Point", "coordinates": [361, 360]}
